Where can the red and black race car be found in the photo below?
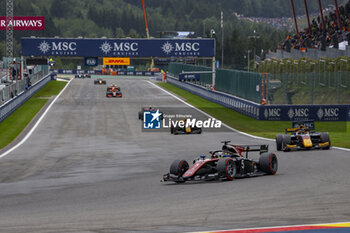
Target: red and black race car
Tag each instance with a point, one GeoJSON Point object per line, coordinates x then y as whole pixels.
{"type": "Point", "coordinates": [149, 109]}
{"type": "Point", "coordinates": [114, 91]}
{"type": "Point", "coordinates": [226, 164]}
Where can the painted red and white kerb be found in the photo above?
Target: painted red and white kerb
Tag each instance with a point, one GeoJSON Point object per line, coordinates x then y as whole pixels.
{"type": "Point", "coordinates": [24, 23]}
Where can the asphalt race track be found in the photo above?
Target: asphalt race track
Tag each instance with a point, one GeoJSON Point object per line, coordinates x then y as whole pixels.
{"type": "Point", "coordinates": [88, 168]}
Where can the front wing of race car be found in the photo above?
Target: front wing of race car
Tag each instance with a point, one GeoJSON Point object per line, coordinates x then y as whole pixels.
{"type": "Point", "coordinates": [313, 141]}
{"type": "Point", "coordinates": [305, 146]}
{"type": "Point", "coordinates": [100, 82]}
{"type": "Point", "coordinates": [114, 95]}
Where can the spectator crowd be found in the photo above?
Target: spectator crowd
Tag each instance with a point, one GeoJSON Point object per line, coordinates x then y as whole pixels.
{"type": "Point", "coordinates": [318, 38]}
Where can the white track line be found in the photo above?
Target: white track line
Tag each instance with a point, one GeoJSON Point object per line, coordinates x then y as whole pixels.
{"type": "Point", "coordinates": [235, 130]}
{"type": "Point", "coordinates": [36, 124]}
{"type": "Point", "coordinates": [271, 228]}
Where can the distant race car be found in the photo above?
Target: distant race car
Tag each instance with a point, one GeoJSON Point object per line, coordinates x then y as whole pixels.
{"type": "Point", "coordinates": [100, 81]}
{"type": "Point", "coordinates": [178, 129]}
{"type": "Point", "coordinates": [148, 109]}
{"type": "Point", "coordinates": [226, 164]}
{"type": "Point", "coordinates": [114, 91]}
{"type": "Point", "coordinates": [302, 136]}
{"type": "Point", "coordinates": [113, 87]}
{"type": "Point", "coordinates": [82, 76]}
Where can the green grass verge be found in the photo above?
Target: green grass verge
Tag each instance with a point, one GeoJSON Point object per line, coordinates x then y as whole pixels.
{"type": "Point", "coordinates": [13, 125]}
{"type": "Point", "coordinates": [338, 131]}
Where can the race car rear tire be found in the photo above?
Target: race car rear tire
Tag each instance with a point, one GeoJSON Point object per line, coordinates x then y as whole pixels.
{"type": "Point", "coordinates": [324, 137]}
{"type": "Point", "coordinates": [226, 168]}
{"type": "Point", "coordinates": [279, 139]}
{"type": "Point", "coordinates": [268, 163]}
{"type": "Point", "coordinates": [286, 140]}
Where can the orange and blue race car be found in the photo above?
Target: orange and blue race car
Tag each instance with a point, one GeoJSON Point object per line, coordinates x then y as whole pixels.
{"type": "Point", "coordinates": [114, 91]}
{"type": "Point", "coordinates": [226, 164]}
{"type": "Point", "coordinates": [302, 136]}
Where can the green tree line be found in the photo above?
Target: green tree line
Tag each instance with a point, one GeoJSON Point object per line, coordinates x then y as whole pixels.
{"type": "Point", "coordinates": [124, 18]}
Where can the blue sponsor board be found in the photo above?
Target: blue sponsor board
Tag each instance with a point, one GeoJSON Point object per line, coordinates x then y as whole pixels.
{"type": "Point", "coordinates": [305, 112]}
{"type": "Point", "coordinates": [309, 124]}
{"type": "Point", "coordinates": [91, 61]}
{"type": "Point", "coordinates": [189, 77]}
{"type": "Point", "coordinates": [118, 47]}
{"type": "Point", "coordinates": [99, 72]}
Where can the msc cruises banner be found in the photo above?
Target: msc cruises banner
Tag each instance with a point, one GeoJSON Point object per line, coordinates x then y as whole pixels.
{"type": "Point", "coordinates": [118, 47]}
{"type": "Point", "coordinates": [305, 112]}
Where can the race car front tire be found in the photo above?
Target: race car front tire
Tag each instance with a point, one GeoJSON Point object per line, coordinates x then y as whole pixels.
{"type": "Point", "coordinates": [178, 168]}
{"type": "Point", "coordinates": [226, 168]}
{"type": "Point", "coordinates": [286, 140]}
{"type": "Point", "coordinates": [268, 163]}
{"type": "Point", "coordinates": [324, 137]}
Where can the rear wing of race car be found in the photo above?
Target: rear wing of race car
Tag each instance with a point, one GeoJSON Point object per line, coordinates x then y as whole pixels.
{"type": "Point", "coordinates": [262, 148]}
{"type": "Point", "coordinates": [301, 125]}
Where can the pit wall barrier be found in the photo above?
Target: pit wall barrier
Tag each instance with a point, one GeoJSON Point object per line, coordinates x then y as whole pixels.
{"type": "Point", "coordinates": [267, 112]}
{"type": "Point", "coordinates": [10, 106]}
{"type": "Point", "coordinates": [100, 72]}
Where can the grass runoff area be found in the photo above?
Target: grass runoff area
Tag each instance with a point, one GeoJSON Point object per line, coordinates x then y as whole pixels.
{"type": "Point", "coordinates": [13, 125]}
{"type": "Point", "coordinates": [338, 131]}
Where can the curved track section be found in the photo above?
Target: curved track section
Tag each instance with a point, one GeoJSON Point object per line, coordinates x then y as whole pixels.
{"type": "Point", "coordinates": [88, 167]}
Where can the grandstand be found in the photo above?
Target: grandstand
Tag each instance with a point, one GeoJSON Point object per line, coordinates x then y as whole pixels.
{"type": "Point", "coordinates": [326, 36]}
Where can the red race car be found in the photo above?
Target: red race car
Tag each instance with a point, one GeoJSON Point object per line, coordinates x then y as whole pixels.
{"type": "Point", "coordinates": [114, 91]}
{"type": "Point", "coordinates": [226, 164]}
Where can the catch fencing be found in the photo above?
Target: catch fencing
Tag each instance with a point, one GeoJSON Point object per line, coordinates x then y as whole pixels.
{"type": "Point", "coordinates": [267, 112]}
{"type": "Point", "coordinates": [293, 85]}
{"type": "Point", "coordinates": [6, 108]}
{"type": "Point", "coordinates": [19, 86]}
{"type": "Point", "coordinates": [309, 88]}
{"type": "Point", "coordinates": [243, 84]}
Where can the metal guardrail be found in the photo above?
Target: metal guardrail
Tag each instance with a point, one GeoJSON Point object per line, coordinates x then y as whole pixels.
{"type": "Point", "coordinates": [19, 86]}
{"type": "Point", "coordinates": [240, 105]}
{"type": "Point", "coordinates": [11, 105]}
